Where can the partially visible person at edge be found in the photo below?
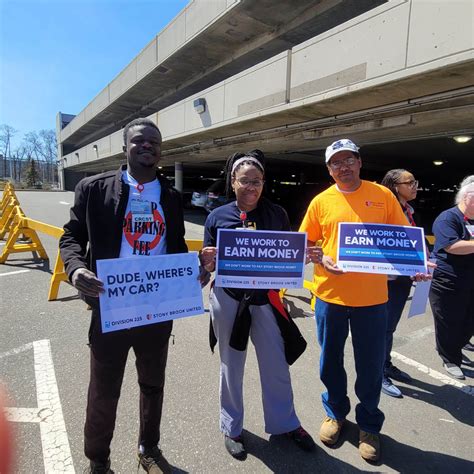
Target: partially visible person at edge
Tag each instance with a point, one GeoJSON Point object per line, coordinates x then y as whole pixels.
{"type": "Point", "coordinates": [404, 185]}
{"type": "Point", "coordinates": [347, 299]}
{"type": "Point", "coordinates": [238, 313]}
{"type": "Point", "coordinates": [102, 226]}
{"type": "Point", "coordinates": [452, 288]}
{"type": "Point", "coordinates": [6, 438]}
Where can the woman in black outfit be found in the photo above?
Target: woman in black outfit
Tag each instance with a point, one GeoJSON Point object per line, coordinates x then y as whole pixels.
{"type": "Point", "coordinates": [237, 314]}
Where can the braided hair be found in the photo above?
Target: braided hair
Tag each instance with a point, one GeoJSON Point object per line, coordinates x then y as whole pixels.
{"type": "Point", "coordinates": [391, 179]}
{"type": "Point", "coordinates": [254, 155]}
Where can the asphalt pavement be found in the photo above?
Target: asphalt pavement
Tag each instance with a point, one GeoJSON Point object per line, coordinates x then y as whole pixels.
{"type": "Point", "coordinates": [44, 364]}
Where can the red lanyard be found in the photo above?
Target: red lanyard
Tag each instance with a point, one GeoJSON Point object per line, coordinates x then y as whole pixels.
{"type": "Point", "coordinates": [409, 215]}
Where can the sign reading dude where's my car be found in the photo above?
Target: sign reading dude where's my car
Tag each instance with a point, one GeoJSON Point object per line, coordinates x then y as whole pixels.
{"type": "Point", "coordinates": [148, 290]}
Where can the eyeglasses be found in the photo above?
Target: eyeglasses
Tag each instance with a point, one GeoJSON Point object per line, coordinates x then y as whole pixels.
{"type": "Point", "coordinates": [413, 183]}
{"type": "Point", "coordinates": [247, 183]}
{"type": "Point", "coordinates": [339, 164]}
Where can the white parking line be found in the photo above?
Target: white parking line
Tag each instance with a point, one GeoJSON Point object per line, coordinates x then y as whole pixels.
{"type": "Point", "coordinates": [23, 415]}
{"type": "Point", "coordinates": [434, 374]}
{"type": "Point", "coordinates": [65, 203]}
{"type": "Point", "coordinates": [17, 350]}
{"type": "Point", "coordinates": [49, 414]}
{"type": "Point", "coordinates": [14, 273]}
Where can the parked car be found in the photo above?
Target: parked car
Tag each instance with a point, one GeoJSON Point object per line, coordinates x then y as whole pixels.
{"type": "Point", "coordinates": [199, 189]}
{"type": "Point", "coordinates": [198, 199]}
{"type": "Point", "coordinates": [216, 196]}
{"type": "Point", "coordinates": [192, 185]}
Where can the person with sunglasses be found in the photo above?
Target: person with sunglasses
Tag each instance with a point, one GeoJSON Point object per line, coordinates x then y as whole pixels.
{"type": "Point", "coordinates": [403, 184]}
{"type": "Point", "coordinates": [237, 314]}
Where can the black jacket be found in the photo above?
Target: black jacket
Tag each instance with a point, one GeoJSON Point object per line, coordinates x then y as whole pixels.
{"type": "Point", "coordinates": [94, 230]}
{"type": "Point", "coordinates": [293, 340]}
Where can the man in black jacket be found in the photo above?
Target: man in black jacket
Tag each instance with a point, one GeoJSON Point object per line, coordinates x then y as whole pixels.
{"type": "Point", "coordinates": [130, 212]}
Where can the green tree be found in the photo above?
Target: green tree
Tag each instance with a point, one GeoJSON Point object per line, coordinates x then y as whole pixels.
{"type": "Point", "coordinates": [32, 176]}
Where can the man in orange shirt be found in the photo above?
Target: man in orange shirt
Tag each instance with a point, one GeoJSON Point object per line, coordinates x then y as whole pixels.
{"type": "Point", "coordinates": [346, 299]}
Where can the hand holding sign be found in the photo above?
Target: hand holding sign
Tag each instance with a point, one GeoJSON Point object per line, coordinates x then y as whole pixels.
{"type": "Point", "coordinates": [425, 276]}
{"type": "Point", "coordinates": [314, 254]}
{"type": "Point", "coordinates": [87, 282]}
{"type": "Point", "coordinates": [207, 256]}
{"type": "Point", "coordinates": [331, 266]}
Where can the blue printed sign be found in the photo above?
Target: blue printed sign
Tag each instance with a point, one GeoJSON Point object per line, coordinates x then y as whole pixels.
{"type": "Point", "coordinates": [381, 248]}
{"type": "Point", "coordinates": [148, 290]}
{"type": "Point", "coordinates": [260, 259]}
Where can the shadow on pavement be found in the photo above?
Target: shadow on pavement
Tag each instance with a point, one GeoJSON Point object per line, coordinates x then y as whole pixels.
{"type": "Point", "coordinates": [31, 263]}
{"type": "Point", "coordinates": [177, 470]}
{"type": "Point", "coordinates": [296, 312]}
{"type": "Point", "coordinates": [404, 458]}
{"type": "Point", "coordinates": [65, 299]}
{"type": "Point", "coordinates": [281, 455]}
{"type": "Point", "coordinates": [457, 403]}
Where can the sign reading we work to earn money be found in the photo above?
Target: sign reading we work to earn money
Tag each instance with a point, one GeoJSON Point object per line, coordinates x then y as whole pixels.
{"type": "Point", "coordinates": [381, 248]}
{"type": "Point", "coordinates": [260, 259]}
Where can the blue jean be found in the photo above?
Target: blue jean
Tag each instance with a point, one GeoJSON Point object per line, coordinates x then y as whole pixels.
{"type": "Point", "coordinates": [398, 292]}
{"type": "Point", "coordinates": [368, 327]}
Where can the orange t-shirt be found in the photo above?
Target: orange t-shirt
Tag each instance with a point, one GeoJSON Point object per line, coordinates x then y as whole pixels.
{"type": "Point", "coordinates": [371, 203]}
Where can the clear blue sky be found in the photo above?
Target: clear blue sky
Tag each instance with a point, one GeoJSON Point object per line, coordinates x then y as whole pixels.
{"type": "Point", "coordinates": [57, 55]}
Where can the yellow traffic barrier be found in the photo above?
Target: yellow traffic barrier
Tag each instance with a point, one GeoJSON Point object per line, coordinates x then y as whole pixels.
{"type": "Point", "coordinates": [9, 212]}
{"type": "Point", "coordinates": [30, 228]}
{"type": "Point", "coordinates": [59, 275]}
{"type": "Point", "coordinates": [430, 239]}
{"type": "Point", "coordinates": [7, 195]}
{"type": "Point", "coordinates": [19, 225]}
{"type": "Point", "coordinates": [194, 245]}
{"type": "Point", "coordinates": [308, 285]}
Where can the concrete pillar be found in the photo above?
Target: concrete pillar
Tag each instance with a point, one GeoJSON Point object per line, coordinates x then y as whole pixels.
{"type": "Point", "coordinates": [61, 176]}
{"type": "Point", "coordinates": [178, 176]}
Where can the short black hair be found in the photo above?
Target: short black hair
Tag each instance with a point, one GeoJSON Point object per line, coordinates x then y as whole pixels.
{"type": "Point", "coordinates": [254, 154]}
{"type": "Point", "coordinates": [140, 121]}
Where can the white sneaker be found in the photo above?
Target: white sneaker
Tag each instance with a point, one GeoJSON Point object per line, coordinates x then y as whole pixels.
{"type": "Point", "coordinates": [454, 370]}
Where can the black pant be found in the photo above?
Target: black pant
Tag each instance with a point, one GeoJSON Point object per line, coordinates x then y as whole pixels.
{"type": "Point", "coordinates": [109, 354]}
{"type": "Point", "coordinates": [452, 304]}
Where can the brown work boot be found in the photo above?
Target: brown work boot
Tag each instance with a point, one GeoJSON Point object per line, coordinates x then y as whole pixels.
{"type": "Point", "coordinates": [330, 430]}
{"type": "Point", "coordinates": [369, 446]}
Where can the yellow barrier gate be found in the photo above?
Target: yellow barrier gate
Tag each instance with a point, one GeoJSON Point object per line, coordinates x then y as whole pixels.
{"type": "Point", "coordinates": [8, 213]}
{"type": "Point", "coordinates": [14, 223]}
